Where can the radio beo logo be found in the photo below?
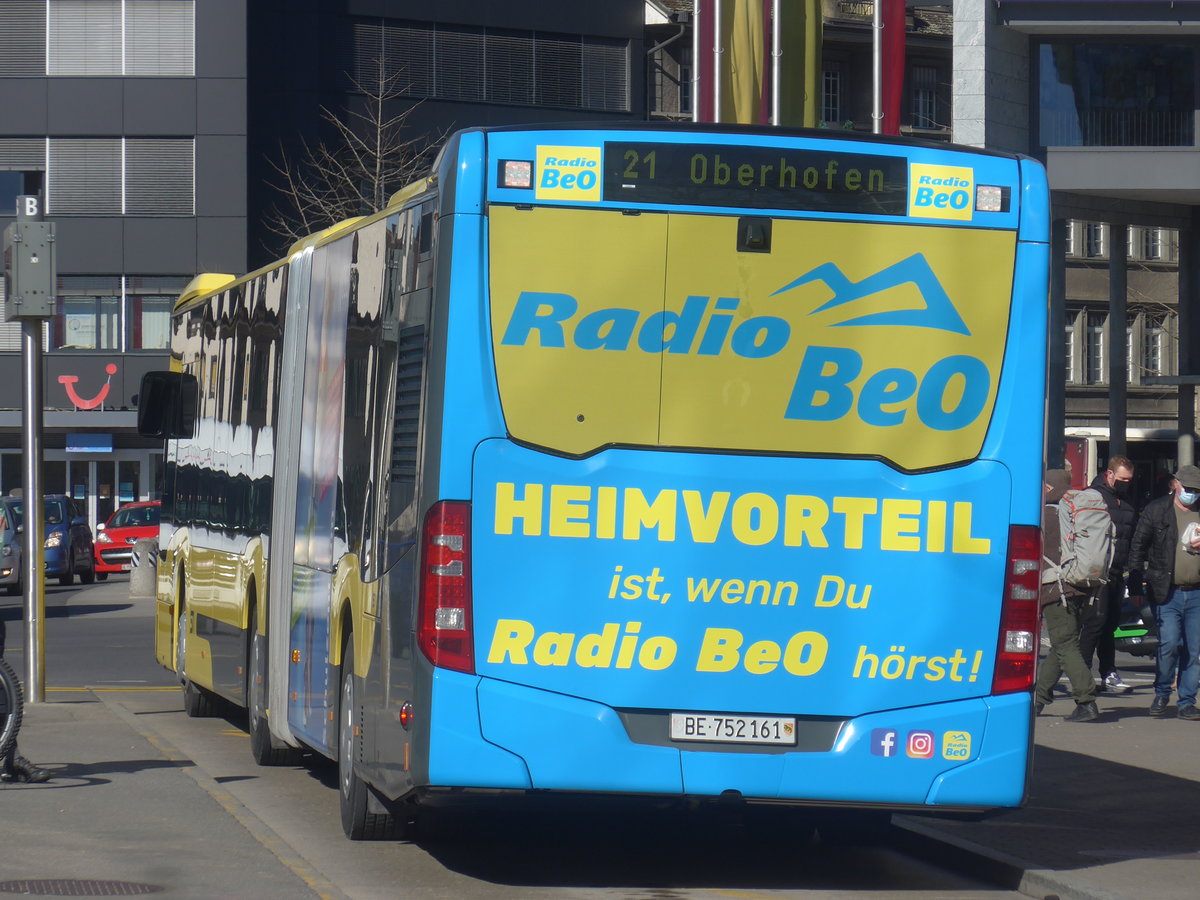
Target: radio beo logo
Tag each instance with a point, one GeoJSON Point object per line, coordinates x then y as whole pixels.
{"type": "Point", "coordinates": [568, 173]}
{"type": "Point", "coordinates": [956, 745]}
{"type": "Point", "coordinates": [940, 192]}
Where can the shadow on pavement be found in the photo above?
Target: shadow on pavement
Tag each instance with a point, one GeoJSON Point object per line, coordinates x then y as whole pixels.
{"type": "Point", "coordinates": [1084, 811]}
{"type": "Point", "coordinates": [17, 613]}
{"type": "Point", "coordinates": [627, 843]}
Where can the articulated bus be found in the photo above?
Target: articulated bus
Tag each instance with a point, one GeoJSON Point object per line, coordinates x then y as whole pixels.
{"type": "Point", "coordinates": [681, 462]}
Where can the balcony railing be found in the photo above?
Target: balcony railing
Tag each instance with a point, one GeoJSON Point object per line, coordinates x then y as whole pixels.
{"type": "Point", "coordinates": [1117, 128]}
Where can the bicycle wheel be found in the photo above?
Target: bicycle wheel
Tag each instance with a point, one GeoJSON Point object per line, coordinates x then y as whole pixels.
{"type": "Point", "coordinates": [12, 707]}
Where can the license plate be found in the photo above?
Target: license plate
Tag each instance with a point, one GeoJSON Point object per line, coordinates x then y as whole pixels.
{"type": "Point", "coordinates": [724, 729]}
{"type": "Point", "coordinates": [125, 567]}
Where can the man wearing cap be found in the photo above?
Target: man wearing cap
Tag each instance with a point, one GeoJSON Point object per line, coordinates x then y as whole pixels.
{"type": "Point", "coordinates": [1166, 546]}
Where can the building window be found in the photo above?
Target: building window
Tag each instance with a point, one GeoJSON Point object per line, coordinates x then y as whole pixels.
{"type": "Point", "coordinates": [97, 37]}
{"type": "Point", "coordinates": [451, 62]}
{"type": "Point", "coordinates": [1094, 356]}
{"type": "Point", "coordinates": [15, 184]}
{"type": "Point", "coordinates": [1154, 340]}
{"type": "Point", "coordinates": [1115, 95]}
{"type": "Point", "coordinates": [1093, 240]}
{"type": "Point", "coordinates": [89, 316]}
{"type": "Point", "coordinates": [831, 97]}
{"type": "Point", "coordinates": [23, 38]}
{"type": "Point", "coordinates": [672, 83]}
{"type": "Point", "coordinates": [1151, 244]}
{"type": "Point", "coordinates": [924, 97]}
{"type": "Point", "coordinates": [114, 313]}
{"type": "Point", "coordinates": [119, 176]}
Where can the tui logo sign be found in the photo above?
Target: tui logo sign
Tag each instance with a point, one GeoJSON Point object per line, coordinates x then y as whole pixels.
{"type": "Point", "coordinates": [68, 382]}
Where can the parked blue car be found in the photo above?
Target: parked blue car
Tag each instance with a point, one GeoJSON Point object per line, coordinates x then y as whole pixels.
{"type": "Point", "coordinates": [68, 541]}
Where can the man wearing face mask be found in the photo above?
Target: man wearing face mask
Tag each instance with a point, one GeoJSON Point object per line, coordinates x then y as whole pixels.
{"type": "Point", "coordinates": [1166, 544]}
{"type": "Point", "coordinates": [1115, 486]}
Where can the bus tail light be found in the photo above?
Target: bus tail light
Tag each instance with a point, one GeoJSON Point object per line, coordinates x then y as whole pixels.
{"type": "Point", "coordinates": [1016, 656]}
{"type": "Point", "coordinates": [444, 618]}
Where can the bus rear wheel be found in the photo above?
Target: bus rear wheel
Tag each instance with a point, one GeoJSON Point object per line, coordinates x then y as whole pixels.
{"type": "Point", "coordinates": [358, 821]}
{"type": "Point", "coordinates": [264, 749]}
{"type": "Point", "coordinates": [197, 702]}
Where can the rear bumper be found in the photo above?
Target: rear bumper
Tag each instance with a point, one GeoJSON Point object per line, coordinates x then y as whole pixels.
{"type": "Point", "coordinates": [965, 755]}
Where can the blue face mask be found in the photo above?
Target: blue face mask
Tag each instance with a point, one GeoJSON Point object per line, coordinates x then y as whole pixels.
{"type": "Point", "coordinates": [1188, 498]}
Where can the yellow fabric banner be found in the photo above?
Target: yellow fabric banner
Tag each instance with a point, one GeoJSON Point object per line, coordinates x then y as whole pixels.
{"type": "Point", "coordinates": [745, 61]}
{"type": "Point", "coordinates": [742, 70]}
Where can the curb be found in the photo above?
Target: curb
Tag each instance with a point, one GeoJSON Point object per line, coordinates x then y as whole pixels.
{"type": "Point", "coordinates": [256, 827]}
{"type": "Point", "coordinates": [920, 839]}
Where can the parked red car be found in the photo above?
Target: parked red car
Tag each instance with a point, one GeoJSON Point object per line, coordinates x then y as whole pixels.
{"type": "Point", "coordinates": [124, 528]}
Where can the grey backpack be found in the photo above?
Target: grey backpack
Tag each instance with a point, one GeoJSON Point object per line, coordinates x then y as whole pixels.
{"type": "Point", "coordinates": [1087, 541]}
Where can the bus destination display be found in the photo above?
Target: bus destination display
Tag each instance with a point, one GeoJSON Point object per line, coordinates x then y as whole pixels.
{"type": "Point", "coordinates": [760, 177]}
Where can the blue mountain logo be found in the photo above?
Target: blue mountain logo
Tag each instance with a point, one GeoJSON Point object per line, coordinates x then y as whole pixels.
{"type": "Point", "coordinates": [939, 313]}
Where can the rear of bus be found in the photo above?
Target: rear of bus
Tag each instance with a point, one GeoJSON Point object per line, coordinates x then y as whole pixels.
{"type": "Point", "coordinates": [740, 451]}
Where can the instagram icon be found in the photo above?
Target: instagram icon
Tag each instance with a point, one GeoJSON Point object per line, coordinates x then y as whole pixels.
{"type": "Point", "coordinates": [920, 744]}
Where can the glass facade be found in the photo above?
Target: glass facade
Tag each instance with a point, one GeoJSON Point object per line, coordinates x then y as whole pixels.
{"type": "Point", "coordinates": [1116, 95]}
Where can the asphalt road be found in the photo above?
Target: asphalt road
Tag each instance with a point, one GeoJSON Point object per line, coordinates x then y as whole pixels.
{"type": "Point", "coordinates": [100, 671]}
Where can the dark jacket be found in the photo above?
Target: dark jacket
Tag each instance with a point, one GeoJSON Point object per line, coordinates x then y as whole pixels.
{"type": "Point", "coordinates": [1153, 547]}
{"type": "Point", "coordinates": [1124, 517]}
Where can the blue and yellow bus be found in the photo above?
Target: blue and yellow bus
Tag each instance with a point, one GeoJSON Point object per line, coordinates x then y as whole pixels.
{"type": "Point", "coordinates": [687, 461]}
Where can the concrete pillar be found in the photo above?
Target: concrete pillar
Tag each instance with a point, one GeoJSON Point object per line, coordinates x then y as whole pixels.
{"type": "Point", "coordinates": [1189, 326]}
{"type": "Point", "coordinates": [991, 80]}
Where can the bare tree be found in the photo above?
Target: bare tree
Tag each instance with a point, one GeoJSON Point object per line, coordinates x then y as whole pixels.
{"type": "Point", "coordinates": [368, 159]}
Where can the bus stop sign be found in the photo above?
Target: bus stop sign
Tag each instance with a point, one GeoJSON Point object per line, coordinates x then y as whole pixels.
{"type": "Point", "coordinates": [29, 270]}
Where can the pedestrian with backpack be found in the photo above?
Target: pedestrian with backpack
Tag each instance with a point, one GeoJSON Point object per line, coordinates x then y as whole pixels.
{"type": "Point", "coordinates": [1065, 596]}
{"type": "Point", "coordinates": [1166, 547]}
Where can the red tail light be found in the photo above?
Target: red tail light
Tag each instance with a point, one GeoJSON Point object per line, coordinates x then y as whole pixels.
{"type": "Point", "coordinates": [444, 619]}
{"type": "Point", "coordinates": [1016, 656]}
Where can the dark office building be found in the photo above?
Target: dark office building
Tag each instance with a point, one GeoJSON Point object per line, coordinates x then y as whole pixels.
{"type": "Point", "coordinates": [150, 128]}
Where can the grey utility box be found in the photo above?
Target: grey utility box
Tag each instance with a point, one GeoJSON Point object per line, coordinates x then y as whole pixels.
{"type": "Point", "coordinates": [29, 265]}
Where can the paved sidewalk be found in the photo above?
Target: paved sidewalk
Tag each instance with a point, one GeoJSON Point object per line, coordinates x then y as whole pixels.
{"type": "Point", "coordinates": [110, 822]}
{"type": "Point", "coordinates": [1113, 811]}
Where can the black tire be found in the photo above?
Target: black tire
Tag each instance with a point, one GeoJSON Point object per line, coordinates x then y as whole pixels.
{"type": "Point", "coordinates": [265, 750]}
{"type": "Point", "coordinates": [68, 579]}
{"type": "Point", "coordinates": [12, 707]}
{"type": "Point", "coordinates": [358, 822]}
{"type": "Point", "coordinates": [197, 702]}
{"type": "Point", "coordinates": [88, 576]}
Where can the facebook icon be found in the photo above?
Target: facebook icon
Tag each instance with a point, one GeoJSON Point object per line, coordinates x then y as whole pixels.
{"type": "Point", "coordinates": [883, 742]}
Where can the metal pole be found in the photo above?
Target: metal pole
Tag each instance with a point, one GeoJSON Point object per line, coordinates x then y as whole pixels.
{"type": "Point", "coordinates": [35, 529]}
{"type": "Point", "coordinates": [877, 69]}
{"type": "Point", "coordinates": [696, 67]}
{"type": "Point", "coordinates": [717, 51]}
{"type": "Point", "coordinates": [776, 57]}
